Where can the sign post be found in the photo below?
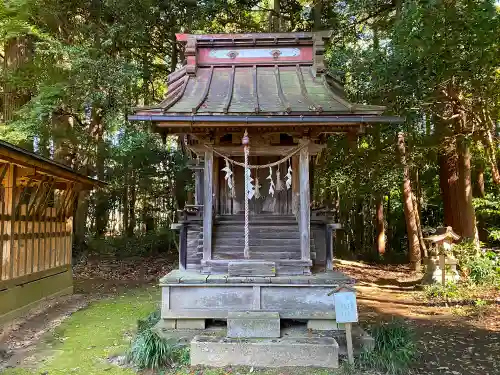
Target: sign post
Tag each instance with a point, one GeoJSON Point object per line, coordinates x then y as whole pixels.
{"type": "Point", "coordinates": [346, 311]}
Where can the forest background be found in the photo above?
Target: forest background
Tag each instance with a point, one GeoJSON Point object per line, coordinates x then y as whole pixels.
{"type": "Point", "coordinates": [70, 72]}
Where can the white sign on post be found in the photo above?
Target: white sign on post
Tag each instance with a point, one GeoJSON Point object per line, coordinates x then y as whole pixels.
{"type": "Point", "coordinates": [346, 309]}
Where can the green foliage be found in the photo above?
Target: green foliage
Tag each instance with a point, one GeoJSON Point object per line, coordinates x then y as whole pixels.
{"type": "Point", "coordinates": [149, 350]}
{"type": "Point", "coordinates": [395, 348]}
{"type": "Point", "coordinates": [447, 292]}
{"type": "Point", "coordinates": [488, 216]}
{"type": "Point", "coordinates": [479, 266]}
{"type": "Point", "coordinates": [483, 268]}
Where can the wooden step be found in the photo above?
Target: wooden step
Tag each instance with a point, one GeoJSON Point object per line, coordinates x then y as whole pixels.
{"type": "Point", "coordinates": [257, 255]}
{"type": "Point", "coordinates": [256, 229]}
{"type": "Point", "coordinates": [253, 241]}
{"type": "Point", "coordinates": [285, 235]}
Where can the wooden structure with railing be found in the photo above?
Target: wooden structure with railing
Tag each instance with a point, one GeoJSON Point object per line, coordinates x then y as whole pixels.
{"type": "Point", "coordinates": [37, 198]}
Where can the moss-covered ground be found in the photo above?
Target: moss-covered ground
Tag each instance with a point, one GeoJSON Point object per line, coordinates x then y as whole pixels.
{"type": "Point", "coordinates": [83, 342]}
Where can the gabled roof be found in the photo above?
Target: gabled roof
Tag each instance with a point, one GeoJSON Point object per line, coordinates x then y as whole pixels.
{"type": "Point", "coordinates": [256, 76]}
{"type": "Point", "coordinates": [17, 155]}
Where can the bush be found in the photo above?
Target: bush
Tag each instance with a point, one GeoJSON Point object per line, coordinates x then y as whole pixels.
{"type": "Point", "coordinates": [478, 266]}
{"type": "Point", "coordinates": [394, 351]}
{"type": "Point", "coordinates": [149, 350]}
{"type": "Point", "coordinates": [440, 292]}
{"type": "Point", "coordinates": [482, 269]}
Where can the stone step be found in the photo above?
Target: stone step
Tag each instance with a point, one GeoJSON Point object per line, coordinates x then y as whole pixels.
{"type": "Point", "coordinates": [253, 324]}
{"type": "Point", "coordinates": [219, 351]}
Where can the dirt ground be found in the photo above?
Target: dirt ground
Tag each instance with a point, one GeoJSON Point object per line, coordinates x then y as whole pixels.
{"type": "Point", "coordinates": [448, 343]}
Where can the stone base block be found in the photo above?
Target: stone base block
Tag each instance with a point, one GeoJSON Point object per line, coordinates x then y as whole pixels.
{"type": "Point", "coordinates": [190, 324]}
{"type": "Point", "coordinates": [325, 325]}
{"type": "Point", "coordinates": [166, 324]}
{"type": "Point", "coordinates": [285, 352]}
{"type": "Point", "coordinates": [253, 324]}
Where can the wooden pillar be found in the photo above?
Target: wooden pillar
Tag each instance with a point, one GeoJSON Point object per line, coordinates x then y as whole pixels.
{"type": "Point", "coordinates": [295, 186]}
{"type": "Point", "coordinates": [305, 213]}
{"type": "Point", "coordinates": [8, 225]}
{"type": "Point", "coordinates": [198, 185]}
{"type": "Point", "coordinates": [311, 179]}
{"type": "Point", "coordinates": [183, 247]}
{"type": "Point", "coordinates": [207, 205]}
{"type": "Point", "coordinates": [216, 189]}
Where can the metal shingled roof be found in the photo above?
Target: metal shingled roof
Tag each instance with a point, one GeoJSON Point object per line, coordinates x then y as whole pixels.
{"type": "Point", "coordinates": [245, 90]}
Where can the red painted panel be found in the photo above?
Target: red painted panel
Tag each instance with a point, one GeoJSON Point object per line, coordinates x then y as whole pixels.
{"type": "Point", "coordinates": [254, 55]}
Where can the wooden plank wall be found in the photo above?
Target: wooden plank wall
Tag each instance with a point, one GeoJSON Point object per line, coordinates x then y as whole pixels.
{"type": "Point", "coordinates": [36, 222]}
{"type": "Point", "coordinates": [280, 204]}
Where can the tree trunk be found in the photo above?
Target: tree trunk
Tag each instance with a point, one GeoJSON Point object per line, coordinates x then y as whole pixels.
{"type": "Point", "coordinates": [480, 191]}
{"type": "Point", "coordinates": [101, 212]}
{"type": "Point", "coordinates": [469, 229]}
{"type": "Point", "coordinates": [80, 220]}
{"type": "Point", "coordinates": [421, 241]}
{"type": "Point", "coordinates": [359, 227]}
{"type": "Point", "coordinates": [17, 52]}
{"type": "Point", "coordinates": [131, 207]}
{"type": "Point", "coordinates": [380, 224]}
{"type": "Point", "coordinates": [448, 182]}
{"type": "Point", "coordinates": [174, 57]}
{"type": "Point", "coordinates": [61, 130]}
{"type": "Point", "coordinates": [489, 145]}
{"type": "Point", "coordinates": [409, 209]}
{"type": "Point", "coordinates": [274, 16]}
{"type": "Point", "coordinates": [125, 203]}
{"type": "Point", "coordinates": [318, 9]}
{"type": "Point", "coordinates": [388, 216]}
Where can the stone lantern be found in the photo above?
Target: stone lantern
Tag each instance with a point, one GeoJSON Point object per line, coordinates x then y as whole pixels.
{"type": "Point", "coordinates": [441, 265]}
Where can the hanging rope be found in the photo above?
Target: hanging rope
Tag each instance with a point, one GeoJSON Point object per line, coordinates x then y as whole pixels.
{"type": "Point", "coordinates": [273, 164]}
{"type": "Point", "coordinates": [245, 141]}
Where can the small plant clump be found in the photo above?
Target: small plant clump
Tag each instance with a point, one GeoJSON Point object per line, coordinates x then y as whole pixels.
{"type": "Point", "coordinates": [394, 351]}
{"type": "Point", "coordinates": [447, 292]}
{"type": "Point", "coordinates": [150, 351]}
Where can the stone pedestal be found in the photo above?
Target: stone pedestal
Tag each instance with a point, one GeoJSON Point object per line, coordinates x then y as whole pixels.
{"type": "Point", "coordinates": [283, 352]}
{"type": "Point", "coordinates": [433, 272]}
{"type": "Point", "coordinates": [253, 324]}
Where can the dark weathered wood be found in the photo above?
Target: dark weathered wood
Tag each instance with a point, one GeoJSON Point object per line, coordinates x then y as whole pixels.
{"type": "Point", "coordinates": [207, 205]}
{"type": "Point", "coordinates": [329, 247]}
{"type": "Point", "coordinates": [245, 268]}
{"type": "Point", "coordinates": [304, 222]}
{"type": "Point", "coordinates": [11, 201]}
{"type": "Point", "coordinates": [183, 247]}
{"type": "Point", "coordinates": [198, 187]}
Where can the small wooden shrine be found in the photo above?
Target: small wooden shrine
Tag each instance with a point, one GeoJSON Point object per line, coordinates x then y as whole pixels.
{"type": "Point", "coordinates": [37, 197]}
{"type": "Point", "coordinates": [252, 110]}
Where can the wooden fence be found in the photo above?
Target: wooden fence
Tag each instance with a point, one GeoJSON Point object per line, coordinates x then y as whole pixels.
{"type": "Point", "coordinates": [36, 209]}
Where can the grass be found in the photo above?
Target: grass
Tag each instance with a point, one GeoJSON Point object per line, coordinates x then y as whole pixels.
{"type": "Point", "coordinates": [82, 343]}
{"type": "Point", "coordinates": [149, 350]}
{"type": "Point", "coordinates": [459, 293]}
{"type": "Point", "coordinates": [394, 351]}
